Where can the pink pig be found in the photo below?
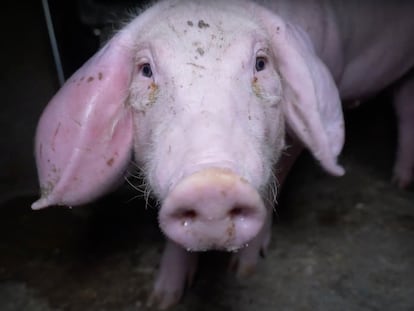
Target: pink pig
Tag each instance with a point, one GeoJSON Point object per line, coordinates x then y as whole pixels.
{"type": "Point", "coordinates": [205, 94]}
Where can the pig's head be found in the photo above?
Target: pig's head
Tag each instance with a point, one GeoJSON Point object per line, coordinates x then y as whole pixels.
{"type": "Point", "coordinates": [201, 92]}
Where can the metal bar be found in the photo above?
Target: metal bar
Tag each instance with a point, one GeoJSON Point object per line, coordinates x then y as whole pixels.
{"type": "Point", "coordinates": [53, 42]}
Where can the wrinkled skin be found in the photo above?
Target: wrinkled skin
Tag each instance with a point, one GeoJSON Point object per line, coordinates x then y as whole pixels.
{"type": "Point", "coordinates": [210, 97]}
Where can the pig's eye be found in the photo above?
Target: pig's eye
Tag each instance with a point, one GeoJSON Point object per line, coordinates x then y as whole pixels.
{"type": "Point", "coordinates": [260, 63]}
{"type": "Point", "coordinates": [146, 70]}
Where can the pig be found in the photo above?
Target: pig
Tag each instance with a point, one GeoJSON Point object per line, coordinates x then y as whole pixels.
{"type": "Point", "coordinates": [213, 100]}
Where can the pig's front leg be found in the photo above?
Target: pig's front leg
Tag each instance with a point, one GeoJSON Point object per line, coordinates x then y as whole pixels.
{"type": "Point", "coordinates": [245, 260]}
{"type": "Point", "coordinates": [404, 106]}
{"type": "Point", "coordinates": [176, 271]}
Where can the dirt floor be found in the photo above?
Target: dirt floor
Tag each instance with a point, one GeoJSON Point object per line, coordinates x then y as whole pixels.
{"type": "Point", "coordinates": [338, 243]}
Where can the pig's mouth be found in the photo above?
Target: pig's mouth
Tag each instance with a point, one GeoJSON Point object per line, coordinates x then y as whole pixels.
{"type": "Point", "coordinates": [212, 209]}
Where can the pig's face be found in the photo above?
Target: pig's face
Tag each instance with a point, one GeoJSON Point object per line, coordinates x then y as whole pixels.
{"type": "Point", "coordinates": [206, 95]}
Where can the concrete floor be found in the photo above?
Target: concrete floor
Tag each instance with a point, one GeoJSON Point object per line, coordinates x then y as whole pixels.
{"type": "Point", "coordinates": [338, 243]}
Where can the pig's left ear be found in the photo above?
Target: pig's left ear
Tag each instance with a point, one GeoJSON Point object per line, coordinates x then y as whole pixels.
{"type": "Point", "coordinates": [84, 137]}
{"type": "Point", "coordinates": [312, 106]}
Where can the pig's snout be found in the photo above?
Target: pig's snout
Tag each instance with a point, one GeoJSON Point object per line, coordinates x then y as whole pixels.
{"type": "Point", "coordinates": [212, 209]}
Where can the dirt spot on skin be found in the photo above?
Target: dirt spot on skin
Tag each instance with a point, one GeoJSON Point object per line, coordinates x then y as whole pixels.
{"type": "Point", "coordinates": [202, 24]}
{"type": "Point", "coordinates": [153, 87]}
{"type": "Point", "coordinates": [90, 79]}
{"type": "Point", "coordinates": [200, 51]}
{"type": "Point", "coordinates": [195, 65]}
{"type": "Point", "coordinates": [243, 180]}
{"type": "Point", "coordinates": [152, 97]}
{"type": "Point", "coordinates": [173, 29]}
{"type": "Point", "coordinates": [47, 189]}
{"type": "Point", "coordinates": [55, 135]}
{"type": "Point", "coordinates": [111, 161]}
{"type": "Point", "coordinates": [231, 231]}
{"type": "Point", "coordinates": [100, 76]}
{"type": "Point", "coordinates": [256, 88]}
{"type": "Point", "coordinates": [190, 23]}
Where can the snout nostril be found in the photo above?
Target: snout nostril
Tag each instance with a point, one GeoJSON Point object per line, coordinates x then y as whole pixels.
{"type": "Point", "coordinates": [185, 215]}
{"type": "Point", "coordinates": [240, 211]}
{"type": "Point", "coordinates": [189, 213]}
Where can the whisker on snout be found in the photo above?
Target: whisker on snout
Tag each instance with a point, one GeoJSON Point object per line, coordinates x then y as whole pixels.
{"type": "Point", "coordinates": [269, 192]}
{"type": "Point", "coordinates": [137, 180]}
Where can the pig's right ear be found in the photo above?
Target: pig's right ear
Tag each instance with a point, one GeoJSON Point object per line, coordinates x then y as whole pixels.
{"type": "Point", "coordinates": [312, 106]}
{"type": "Point", "coordinates": [84, 137]}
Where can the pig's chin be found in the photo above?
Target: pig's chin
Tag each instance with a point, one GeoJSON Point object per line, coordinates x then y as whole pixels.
{"type": "Point", "coordinates": [212, 209]}
{"type": "Point", "coordinates": [202, 245]}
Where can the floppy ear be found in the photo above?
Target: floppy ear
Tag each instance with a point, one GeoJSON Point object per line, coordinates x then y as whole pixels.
{"type": "Point", "coordinates": [84, 137]}
{"type": "Point", "coordinates": [312, 106]}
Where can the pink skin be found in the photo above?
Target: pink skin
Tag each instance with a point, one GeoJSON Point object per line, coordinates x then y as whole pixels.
{"type": "Point", "coordinates": [201, 93]}
{"type": "Point", "coordinates": [85, 127]}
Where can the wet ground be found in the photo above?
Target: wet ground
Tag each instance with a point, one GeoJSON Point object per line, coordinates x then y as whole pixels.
{"type": "Point", "coordinates": [338, 243]}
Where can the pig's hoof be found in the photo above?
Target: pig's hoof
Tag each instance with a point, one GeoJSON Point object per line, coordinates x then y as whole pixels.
{"type": "Point", "coordinates": [164, 298]}
{"type": "Point", "coordinates": [244, 262]}
{"type": "Point", "coordinates": [402, 178]}
{"type": "Point", "coordinates": [241, 267]}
